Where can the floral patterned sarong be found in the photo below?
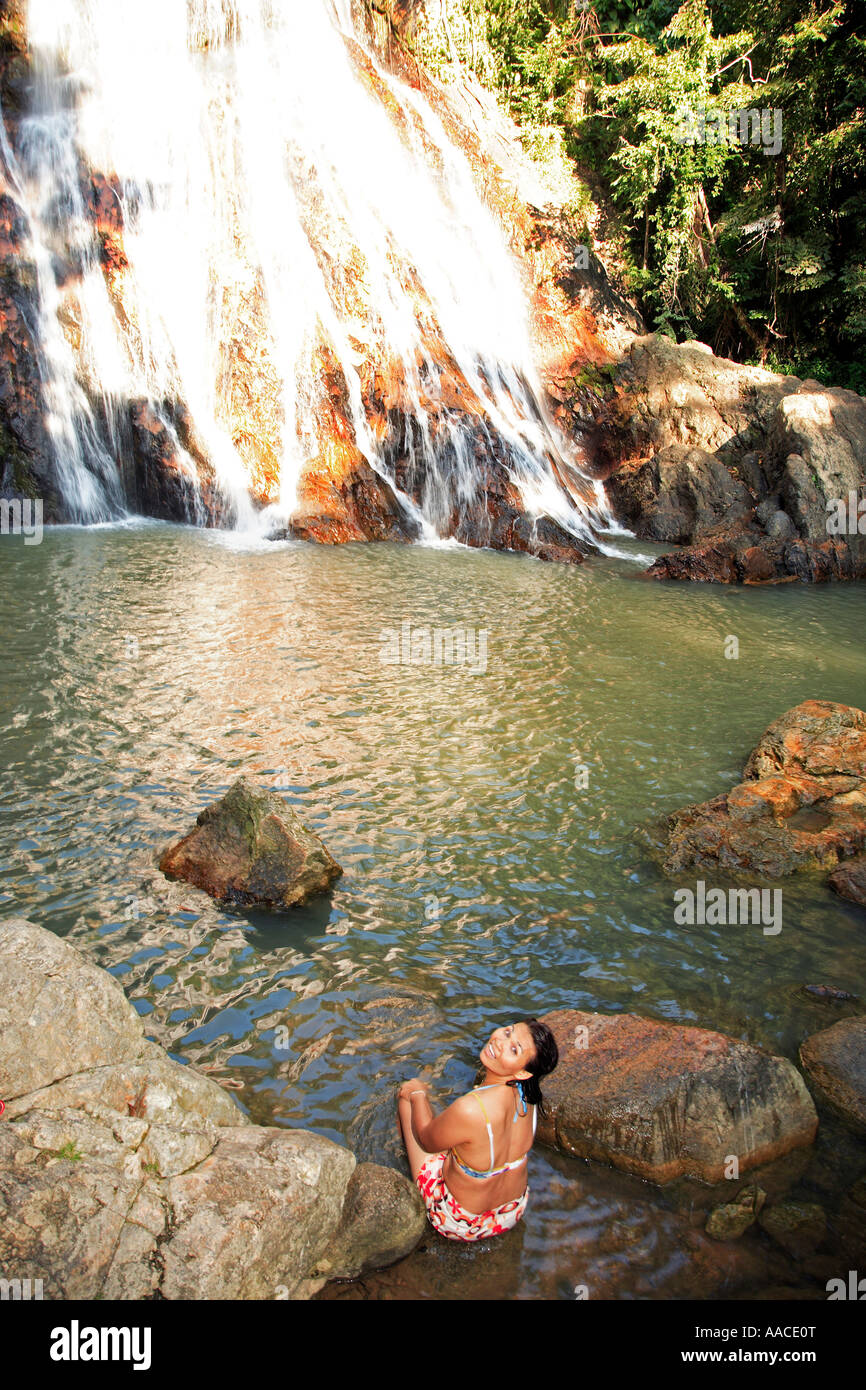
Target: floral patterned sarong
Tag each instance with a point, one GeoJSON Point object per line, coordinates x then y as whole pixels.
{"type": "Point", "coordinates": [448, 1217]}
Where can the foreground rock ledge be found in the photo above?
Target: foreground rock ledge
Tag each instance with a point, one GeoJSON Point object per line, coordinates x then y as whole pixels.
{"type": "Point", "coordinates": [801, 805]}
{"type": "Point", "coordinates": [251, 850]}
{"type": "Point", "coordinates": [663, 1102]}
{"type": "Point", "coordinates": [124, 1175]}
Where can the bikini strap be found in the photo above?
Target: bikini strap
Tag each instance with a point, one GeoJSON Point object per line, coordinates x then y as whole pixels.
{"type": "Point", "coordinates": [488, 1124]}
{"type": "Point", "coordinates": [519, 1106]}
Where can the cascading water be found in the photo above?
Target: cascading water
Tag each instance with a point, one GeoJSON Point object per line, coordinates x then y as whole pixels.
{"type": "Point", "coordinates": [291, 214]}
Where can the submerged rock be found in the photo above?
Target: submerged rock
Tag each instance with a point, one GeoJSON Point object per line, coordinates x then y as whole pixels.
{"type": "Point", "coordinates": [251, 850]}
{"type": "Point", "coordinates": [732, 1219]}
{"type": "Point", "coordinates": [799, 1227]}
{"type": "Point", "coordinates": [829, 994]}
{"type": "Point", "coordinates": [128, 1176]}
{"type": "Point", "coordinates": [664, 1101]}
{"type": "Point", "coordinates": [802, 803]}
{"type": "Point", "coordinates": [835, 1062]}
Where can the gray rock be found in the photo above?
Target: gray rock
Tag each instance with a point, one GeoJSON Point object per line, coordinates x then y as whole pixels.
{"type": "Point", "coordinates": [791, 446]}
{"type": "Point", "coordinates": [767, 509]}
{"type": "Point", "coordinates": [254, 1219]}
{"type": "Point", "coordinates": [378, 1200]}
{"type": "Point", "coordinates": [677, 495]}
{"type": "Point", "coordinates": [140, 1178]}
{"type": "Point", "coordinates": [820, 432]}
{"type": "Point", "coordinates": [780, 527]}
{"type": "Point", "coordinates": [58, 1013]}
{"type": "Point", "coordinates": [752, 473]}
{"type": "Point", "coordinates": [835, 1062]}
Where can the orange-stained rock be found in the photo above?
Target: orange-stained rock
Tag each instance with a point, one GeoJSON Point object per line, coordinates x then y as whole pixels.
{"type": "Point", "coordinates": [664, 1101]}
{"type": "Point", "coordinates": [802, 804]}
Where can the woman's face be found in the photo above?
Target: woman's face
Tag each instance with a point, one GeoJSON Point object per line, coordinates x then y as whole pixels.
{"type": "Point", "coordinates": [508, 1051]}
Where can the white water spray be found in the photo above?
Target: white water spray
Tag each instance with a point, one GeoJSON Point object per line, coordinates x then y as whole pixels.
{"type": "Point", "coordinates": [282, 197]}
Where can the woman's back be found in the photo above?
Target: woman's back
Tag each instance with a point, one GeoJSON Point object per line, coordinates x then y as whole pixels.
{"type": "Point", "coordinates": [498, 1120]}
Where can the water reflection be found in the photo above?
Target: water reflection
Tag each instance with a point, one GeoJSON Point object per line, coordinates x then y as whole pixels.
{"type": "Point", "coordinates": [147, 667]}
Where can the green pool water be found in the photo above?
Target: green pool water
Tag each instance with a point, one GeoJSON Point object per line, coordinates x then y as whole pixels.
{"type": "Point", "coordinates": [485, 816]}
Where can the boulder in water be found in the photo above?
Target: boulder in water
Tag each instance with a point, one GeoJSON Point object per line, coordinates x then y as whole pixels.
{"type": "Point", "coordinates": [677, 495]}
{"type": "Point", "coordinates": [381, 1208]}
{"type": "Point", "coordinates": [835, 1063]}
{"type": "Point", "coordinates": [802, 803]}
{"type": "Point", "coordinates": [663, 1101]}
{"type": "Point", "coordinates": [849, 880]}
{"type": "Point", "coordinates": [251, 850]}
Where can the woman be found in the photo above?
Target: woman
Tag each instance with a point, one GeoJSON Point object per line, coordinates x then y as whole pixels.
{"type": "Point", "coordinates": [470, 1162]}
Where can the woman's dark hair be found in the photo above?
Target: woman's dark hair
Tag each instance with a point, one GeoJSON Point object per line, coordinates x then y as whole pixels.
{"type": "Point", "coordinates": [542, 1064]}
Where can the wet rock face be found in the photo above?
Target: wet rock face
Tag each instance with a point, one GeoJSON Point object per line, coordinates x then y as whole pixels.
{"type": "Point", "coordinates": [251, 850]}
{"type": "Point", "coordinates": [745, 469]}
{"type": "Point", "coordinates": [802, 803]}
{"type": "Point", "coordinates": [835, 1062]}
{"type": "Point", "coordinates": [124, 1175]}
{"type": "Point", "coordinates": [849, 880]}
{"type": "Point", "coordinates": [679, 493]}
{"type": "Point", "coordinates": [663, 1102]}
{"type": "Point", "coordinates": [26, 459]}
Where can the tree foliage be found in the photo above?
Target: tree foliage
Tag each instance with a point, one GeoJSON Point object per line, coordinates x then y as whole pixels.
{"type": "Point", "coordinates": [761, 253]}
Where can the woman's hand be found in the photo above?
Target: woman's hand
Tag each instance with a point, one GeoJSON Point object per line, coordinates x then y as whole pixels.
{"type": "Point", "coordinates": [408, 1086]}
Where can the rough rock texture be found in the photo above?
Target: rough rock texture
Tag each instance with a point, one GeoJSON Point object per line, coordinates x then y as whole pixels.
{"type": "Point", "coordinates": [737, 464]}
{"type": "Point", "coordinates": [663, 1102]}
{"type": "Point", "coordinates": [801, 805]}
{"type": "Point", "coordinates": [677, 494]}
{"type": "Point", "coordinates": [124, 1175]}
{"type": "Point", "coordinates": [379, 1206]}
{"type": "Point", "coordinates": [732, 1219]}
{"type": "Point", "coordinates": [250, 849]}
{"type": "Point", "coordinates": [799, 1227]}
{"type": "Point", "coordinates": [849, 880]}
{"type": "Point", "coordinates": [852, 1220]}
{"type": "Point", "coordinates": [835, 1063]}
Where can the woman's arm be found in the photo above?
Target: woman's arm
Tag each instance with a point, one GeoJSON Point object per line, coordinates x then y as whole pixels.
{"type": "Point", "coordinates": [437, 1132]}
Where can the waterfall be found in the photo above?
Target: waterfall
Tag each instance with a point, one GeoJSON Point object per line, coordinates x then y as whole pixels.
{"type": "Point", "coordinates": [300, 253]}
